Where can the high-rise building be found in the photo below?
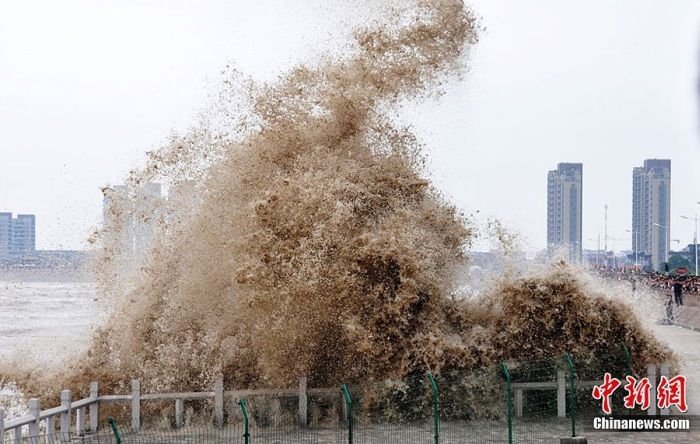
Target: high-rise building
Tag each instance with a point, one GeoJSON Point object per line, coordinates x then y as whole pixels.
{"type": "Point", "coordinates": [24, 234]}
{"type": "Point", "coordinates": [651, 211]}
{"type": "Point", "coordinates": [132, 216]}
{"type": "Point", "coordinates": [117, 214]}
{"type": "Point", "coordinates": [147, 206]}
{"type": "Point", "coordinates": [17, 235]}
{"type": "Point", "coordinates": [564, 209]}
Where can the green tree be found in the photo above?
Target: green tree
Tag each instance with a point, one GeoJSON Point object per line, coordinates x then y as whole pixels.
{"type": "Point", "coordinates": [677, 260]}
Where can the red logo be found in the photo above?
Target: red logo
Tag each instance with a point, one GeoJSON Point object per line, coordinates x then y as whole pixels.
{"type": "Point", "coordinates": [638, 393]}
{"type": "Point", "coordinates": [670, 392]}
{"type": "Point", "coordinates": [605, 391]}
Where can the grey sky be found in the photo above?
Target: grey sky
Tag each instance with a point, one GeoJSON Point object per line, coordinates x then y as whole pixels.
{"type": "Point", "coordinates": [87, 87]}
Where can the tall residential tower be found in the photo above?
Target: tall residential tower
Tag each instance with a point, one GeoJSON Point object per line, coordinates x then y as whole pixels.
{"type": "Point", "coordinates": [651, 211]}
{"type": "Point", "coordinates": [17, 235]}
{"type": "Point", "coordinates": [564, 209]}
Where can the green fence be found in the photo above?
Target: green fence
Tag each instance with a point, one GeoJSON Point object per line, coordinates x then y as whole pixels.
{"type": "Point", "coordinates": [513, 402]}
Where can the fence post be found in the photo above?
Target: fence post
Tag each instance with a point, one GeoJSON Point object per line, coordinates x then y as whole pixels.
{"type": "Point", "coordinates": [244, 409]}
{"type": "Point", "coordinates": [219, 401]}
{"type": "Point", "coordinates": [35, 411]}
{"type": "Point", "coordinates": [179, 409]}
{"type": "Point", "coordinates": [518, 401]}
{"type": "Point", "coordinates": [50, 430]}
{"type": "Point", "coordinates": [65, 416]}
{"type": "Point", "coordinates": [572, 390]}
{"type": "Point", "coordinates": [80, 421]}
{"type": "Point", "coordinates": [561, 394]}
{"type": "Point", "coordinates": [303, 402]}
{"type": "Point", "coordinates": [651, 374]}
{"type": "Point", "coordinates": [436, 407]}
{"type": "Point", "coordinates": [665, 371]}
{"type": "Point", "coordinates": [628, 359]}
{"type": "Point", "coordinates": [509, 409]}
{"type": "Point", "coordinates": [343, 408]}
{"type": "Point", "coordinates": [115, 430]}
{"type": "Point", "coordinates": [135, 405]}
{"type": "Point", "coordinates": [94, 408]}
{"type": "Point", "coordinates": [348, 402]}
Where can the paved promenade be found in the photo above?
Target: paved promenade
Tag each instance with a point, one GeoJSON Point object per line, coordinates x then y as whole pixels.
{"type": "Point", "coordinates": [686, 343]}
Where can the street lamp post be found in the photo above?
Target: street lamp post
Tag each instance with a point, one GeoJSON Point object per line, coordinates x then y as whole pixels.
{"type": "Point", "coordinates": [613, 248]}
{"type": "Point", "coordinates": [635, 233]}
{"type": "Point", "coordinates": [597, 252]}
{"type": "Point", "coordinates": [695, 240]}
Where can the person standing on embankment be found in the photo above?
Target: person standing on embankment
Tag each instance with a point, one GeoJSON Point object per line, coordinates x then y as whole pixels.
{"type": "Point", "coordinates": [678, 292]}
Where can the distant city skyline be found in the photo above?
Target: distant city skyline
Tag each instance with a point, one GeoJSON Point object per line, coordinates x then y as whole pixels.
{"type": "Point", "coordinates": [18, 250]}
{"type": "Point", "coordinates": [606, 84]}
{"type": "Point", "coordinates": [650, 216]}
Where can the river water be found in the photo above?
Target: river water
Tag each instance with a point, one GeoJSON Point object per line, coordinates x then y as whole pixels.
{"type": "Point", "coordinates": [45, 321]}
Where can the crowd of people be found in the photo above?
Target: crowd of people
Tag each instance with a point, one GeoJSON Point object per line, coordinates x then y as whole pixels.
{"type": "Point", "coordinates": [674, 287]}
{"type": "Point", "coordinates": [670, 283]}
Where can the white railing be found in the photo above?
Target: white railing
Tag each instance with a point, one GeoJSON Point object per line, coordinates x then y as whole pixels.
{"type": "Point", "coordinates": [63, 412]}
{"type": "Point", "coordinates": [560, 386]}
{"type": "Point", "coordinates": [90, 422]}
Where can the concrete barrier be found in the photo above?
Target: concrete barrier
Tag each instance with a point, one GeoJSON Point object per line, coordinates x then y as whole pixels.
{"type": "Point", "coordinates": [691, 300]}
{"type": "Point", "coordinates": [687, 315]}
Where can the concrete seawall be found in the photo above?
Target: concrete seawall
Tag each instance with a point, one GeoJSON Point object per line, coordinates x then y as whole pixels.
{"type": "Point", "coordinates": [688, 315]}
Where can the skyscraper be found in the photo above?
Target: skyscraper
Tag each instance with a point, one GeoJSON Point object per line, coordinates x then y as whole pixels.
{"type": "Point", "coordinates": [651, 211]}
{"type": "Point", "coordinates": [147, 207]}
{"type": "Point", "coordinates": [564, 208]}
{"type": "Point", "coordinates": [117, 214]}
{"type": "Point", "coordinates": [132, 215]}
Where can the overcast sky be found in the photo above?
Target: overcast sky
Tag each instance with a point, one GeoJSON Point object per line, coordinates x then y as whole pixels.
{"type": "Point", "coordinates": [87, 87]}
